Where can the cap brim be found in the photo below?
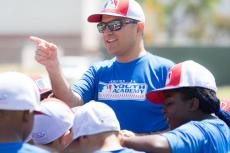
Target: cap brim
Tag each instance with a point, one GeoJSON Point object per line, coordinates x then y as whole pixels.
{"type": "Point", "coordinates": [157, 96]}
{"type": "Point", "coordinates": [98, 16]}
{"type": "Point", "coordinates": [40, 110]}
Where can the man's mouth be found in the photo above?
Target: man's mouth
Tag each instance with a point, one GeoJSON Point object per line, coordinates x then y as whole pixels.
{"type": "Point", "coordinates": [111, 40]}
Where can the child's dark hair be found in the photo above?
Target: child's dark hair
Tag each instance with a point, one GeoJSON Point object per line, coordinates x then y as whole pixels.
{"type": "Point", "coordinates": [209, 103]}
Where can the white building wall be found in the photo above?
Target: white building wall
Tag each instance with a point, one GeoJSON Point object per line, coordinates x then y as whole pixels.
{"type": "Point", "coordinates": [63, 22]}
{"type": "Point", "coordinates": [40, 16]}
{"type": "Point", "coordinates": [90, 34]}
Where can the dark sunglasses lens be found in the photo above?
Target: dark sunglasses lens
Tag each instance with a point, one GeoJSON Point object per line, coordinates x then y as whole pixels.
{"type": "Point", "coordinates": [101, 27]}
{"type": "Point", "coordinates": [114, 25]}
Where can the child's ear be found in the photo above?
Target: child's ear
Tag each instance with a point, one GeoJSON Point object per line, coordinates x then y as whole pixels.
{"type": "Point", "coordinates": [194, 104]}
{"type": "Point", "coordinates": [66, 138]}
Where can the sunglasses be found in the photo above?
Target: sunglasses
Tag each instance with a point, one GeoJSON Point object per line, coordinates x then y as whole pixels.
{"type": "Point", "coordinates": [114, 25]}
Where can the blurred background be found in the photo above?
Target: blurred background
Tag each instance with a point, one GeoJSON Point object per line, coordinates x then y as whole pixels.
{"type": "Point", "coordinates": [180, 30]}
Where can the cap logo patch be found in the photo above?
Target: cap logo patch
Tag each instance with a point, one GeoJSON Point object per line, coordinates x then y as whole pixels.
{"type": "Point", "coordinates": [40, 84]}
{"type": "Point", "coordinates": [169, 77]}
{"type": "Point", "coordinates": [39, 135]}
{"type": "Point", "coordinates": [116, 6]}
{"type": "Point", "coordinates": [174, 76]}
{"type": "Point", "coordinates": [112, 4]}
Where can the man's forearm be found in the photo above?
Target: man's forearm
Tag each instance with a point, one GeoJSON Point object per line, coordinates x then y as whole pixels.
{"type": "Point", "coordinates": [61, 88]}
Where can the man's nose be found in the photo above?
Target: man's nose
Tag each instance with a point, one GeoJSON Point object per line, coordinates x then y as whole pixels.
{"type": "Point", "coordinates": [107, 31]}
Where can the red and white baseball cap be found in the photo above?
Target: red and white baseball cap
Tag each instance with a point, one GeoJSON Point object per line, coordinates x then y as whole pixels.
{"type": "Point", "coordinates": [120, 8]}
{"type": "Point", "coordinates": [185, 74]}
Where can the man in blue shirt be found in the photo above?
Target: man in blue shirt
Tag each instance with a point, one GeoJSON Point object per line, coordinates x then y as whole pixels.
{"type": "Point", "coordinates": [190, 101]}
{"type": "Point", "coordinates": [121, 82]}
{"type": "Point", "coordinates": [19, 98]}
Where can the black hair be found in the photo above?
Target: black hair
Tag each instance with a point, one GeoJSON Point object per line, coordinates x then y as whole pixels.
{"type": "Point", "coordinates": [209, 102]}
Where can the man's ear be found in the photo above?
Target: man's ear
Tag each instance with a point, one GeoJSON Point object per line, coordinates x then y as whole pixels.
{"type": "Point", "coordinates": [194, 105]}
{"type": "Point", "coordinates": [140, 26]}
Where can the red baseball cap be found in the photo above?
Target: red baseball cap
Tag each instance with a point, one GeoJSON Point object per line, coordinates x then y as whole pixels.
{"type": "Point", "coordinates": [225, 105]}
{"type": "Point", "coordinates": [185, 74]}
{"type": "Point", "coordinates": [120, 8]}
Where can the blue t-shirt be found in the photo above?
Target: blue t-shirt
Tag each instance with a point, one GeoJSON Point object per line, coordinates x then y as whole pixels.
{"type": "Point", "coordinates": [123, 86]}
{"type": "Point", "coordinates": [20, 147]}
{"type": "Point", "coordinates": [207, 136]}
{"type": "Point", "coordinates": [123, 150]}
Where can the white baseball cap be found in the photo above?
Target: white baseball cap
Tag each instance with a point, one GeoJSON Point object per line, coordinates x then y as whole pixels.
{"type": "Point", "coordinates": [18, 92]}
{"type": "Point", "coordinates": [120, 8]}
{"type": "Point", "coordinates": [185, 74]}
{"type": "Point", "coordinates": [49, 127]}
{"type": "Point", "coordinates": [94, 118]}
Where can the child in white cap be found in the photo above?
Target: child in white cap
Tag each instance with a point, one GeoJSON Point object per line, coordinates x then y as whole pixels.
{"type": "Point", "coordinates": [96, 129]}
{"type": "Point", "coordinates": [19, 99]}
{"type": "Point", "coordinates": [53, 130]}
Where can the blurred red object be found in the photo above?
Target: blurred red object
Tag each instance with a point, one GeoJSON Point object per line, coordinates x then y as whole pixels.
{"type": "Point", "coordinates": [225, 104]}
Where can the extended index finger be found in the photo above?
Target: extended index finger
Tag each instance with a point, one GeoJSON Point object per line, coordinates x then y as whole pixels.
{"type": "Point", "coordinates": [37, 40]}
{"type": "Point", "coordinates": [41, 42]}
